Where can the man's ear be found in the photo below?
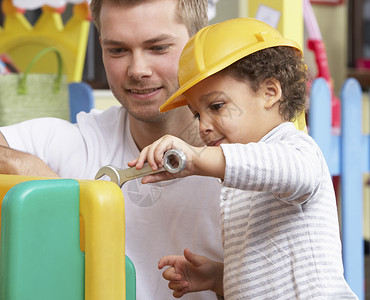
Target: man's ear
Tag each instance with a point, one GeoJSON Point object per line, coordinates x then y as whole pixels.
{"type": "Point", "coordinates": [273, 92]}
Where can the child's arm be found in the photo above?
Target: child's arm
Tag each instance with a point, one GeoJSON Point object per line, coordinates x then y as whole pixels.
{"type": "Point", "coordinates": [192, 273]}
{"type": "Point", "coordinates": [203, 161]}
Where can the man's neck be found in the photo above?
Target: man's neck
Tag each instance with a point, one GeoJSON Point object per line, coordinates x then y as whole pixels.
{"type": "Point", "coordinates": [179, 123]}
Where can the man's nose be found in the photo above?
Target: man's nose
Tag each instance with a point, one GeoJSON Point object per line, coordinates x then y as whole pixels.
{"type": "Point", "coordinates": [139, 66]}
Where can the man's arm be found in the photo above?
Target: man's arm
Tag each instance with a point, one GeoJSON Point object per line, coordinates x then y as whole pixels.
{"type": "Point", "coordinates": [15, 162]}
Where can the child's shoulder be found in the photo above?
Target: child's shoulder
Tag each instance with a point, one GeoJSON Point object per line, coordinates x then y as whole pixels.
{"type": "Point", "coordinates": [289, 133]}
{"type": "Point", "coordinates": [283, 131]}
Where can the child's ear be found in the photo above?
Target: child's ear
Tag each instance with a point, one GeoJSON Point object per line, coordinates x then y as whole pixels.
{"type": "Point", "coordinates": [273, 92]}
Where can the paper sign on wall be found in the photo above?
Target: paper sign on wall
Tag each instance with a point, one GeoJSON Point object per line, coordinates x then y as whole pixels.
{"type": "Point", "coordinates": [268, 15]}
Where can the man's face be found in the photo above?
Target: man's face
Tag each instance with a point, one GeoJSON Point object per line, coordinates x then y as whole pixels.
{"type": "Point", "coordinates": [141, 48]}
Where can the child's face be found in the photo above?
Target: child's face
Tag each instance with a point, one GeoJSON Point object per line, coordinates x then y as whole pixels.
{"type": "Point", "coordinates": [230, 112]}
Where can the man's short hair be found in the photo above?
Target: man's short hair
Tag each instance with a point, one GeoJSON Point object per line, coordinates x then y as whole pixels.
{"type": "Point", "coordinates": [192, 13]}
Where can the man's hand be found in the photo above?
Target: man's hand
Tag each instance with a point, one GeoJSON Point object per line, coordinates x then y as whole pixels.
{"type": "Point", "coordinates": [15, 162]}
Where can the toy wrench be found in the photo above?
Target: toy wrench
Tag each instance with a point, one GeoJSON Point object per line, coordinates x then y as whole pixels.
{"type": "Point", "coordinates": [174, 162]}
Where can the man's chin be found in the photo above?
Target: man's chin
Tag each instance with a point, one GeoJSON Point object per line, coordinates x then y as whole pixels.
{"type": "Point", "coordinates": [148, 116]}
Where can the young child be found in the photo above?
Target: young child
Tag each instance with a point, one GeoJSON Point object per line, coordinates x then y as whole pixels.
{"type": "Point", "coordinates": [245, 83]}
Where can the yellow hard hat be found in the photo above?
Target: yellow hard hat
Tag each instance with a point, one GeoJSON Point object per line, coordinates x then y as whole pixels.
{"type": "Point", "coordinates": [216, 47]}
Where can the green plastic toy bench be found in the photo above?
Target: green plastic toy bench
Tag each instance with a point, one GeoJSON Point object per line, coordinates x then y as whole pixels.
{"type": "Point", "coordinates": [44, 252]}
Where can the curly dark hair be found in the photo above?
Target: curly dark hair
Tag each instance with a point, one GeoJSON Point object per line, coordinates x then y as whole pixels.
{"type": "Point", "coordinates": [282, 63]}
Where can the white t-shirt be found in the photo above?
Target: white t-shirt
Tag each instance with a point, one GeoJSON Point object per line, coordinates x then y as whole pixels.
{"type": "Point", "coordinates": [161, 219]}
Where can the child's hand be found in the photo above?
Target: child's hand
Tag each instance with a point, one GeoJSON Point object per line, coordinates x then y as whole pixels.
{"type": "Point", "coordinates": [192, 273]}
{"type": "Point", "coordinates": [154, 153]}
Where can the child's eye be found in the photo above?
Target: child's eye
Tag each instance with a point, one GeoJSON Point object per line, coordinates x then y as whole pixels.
{"type": "Point", "coordinates": [197, 116]}
{"type": "Point", "coordinates": [216, 106]}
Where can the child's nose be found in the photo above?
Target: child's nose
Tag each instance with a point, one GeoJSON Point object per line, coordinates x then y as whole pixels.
{"type": "Point", "coordinates": [205, 127]}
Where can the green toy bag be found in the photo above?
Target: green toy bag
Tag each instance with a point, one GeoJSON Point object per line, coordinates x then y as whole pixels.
{"type": "Point", "coordinates": [32, 95]}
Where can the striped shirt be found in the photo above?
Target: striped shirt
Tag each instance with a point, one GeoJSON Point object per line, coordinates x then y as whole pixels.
{"type": "Point", "coordinates": [279, 221]}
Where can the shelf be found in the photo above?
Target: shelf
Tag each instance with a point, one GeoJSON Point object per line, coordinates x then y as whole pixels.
{"type": "Point", "coordinates": [363, 77]}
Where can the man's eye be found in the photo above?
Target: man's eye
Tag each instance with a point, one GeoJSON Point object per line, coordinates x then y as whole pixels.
{"type": "Point", "coordinates": [116, 51]}
{"type": "Point", "coordinates": [160, 48]}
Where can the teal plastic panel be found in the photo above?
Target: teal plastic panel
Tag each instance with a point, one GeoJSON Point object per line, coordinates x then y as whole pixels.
{"type": "Point", "coordinates": [40, 249]}
{"type": "Point", "coordinates": [130, 279]}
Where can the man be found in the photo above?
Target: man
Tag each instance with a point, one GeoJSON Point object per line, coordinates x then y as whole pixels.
{"type": "Point", "coordinates": [141, 41]}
